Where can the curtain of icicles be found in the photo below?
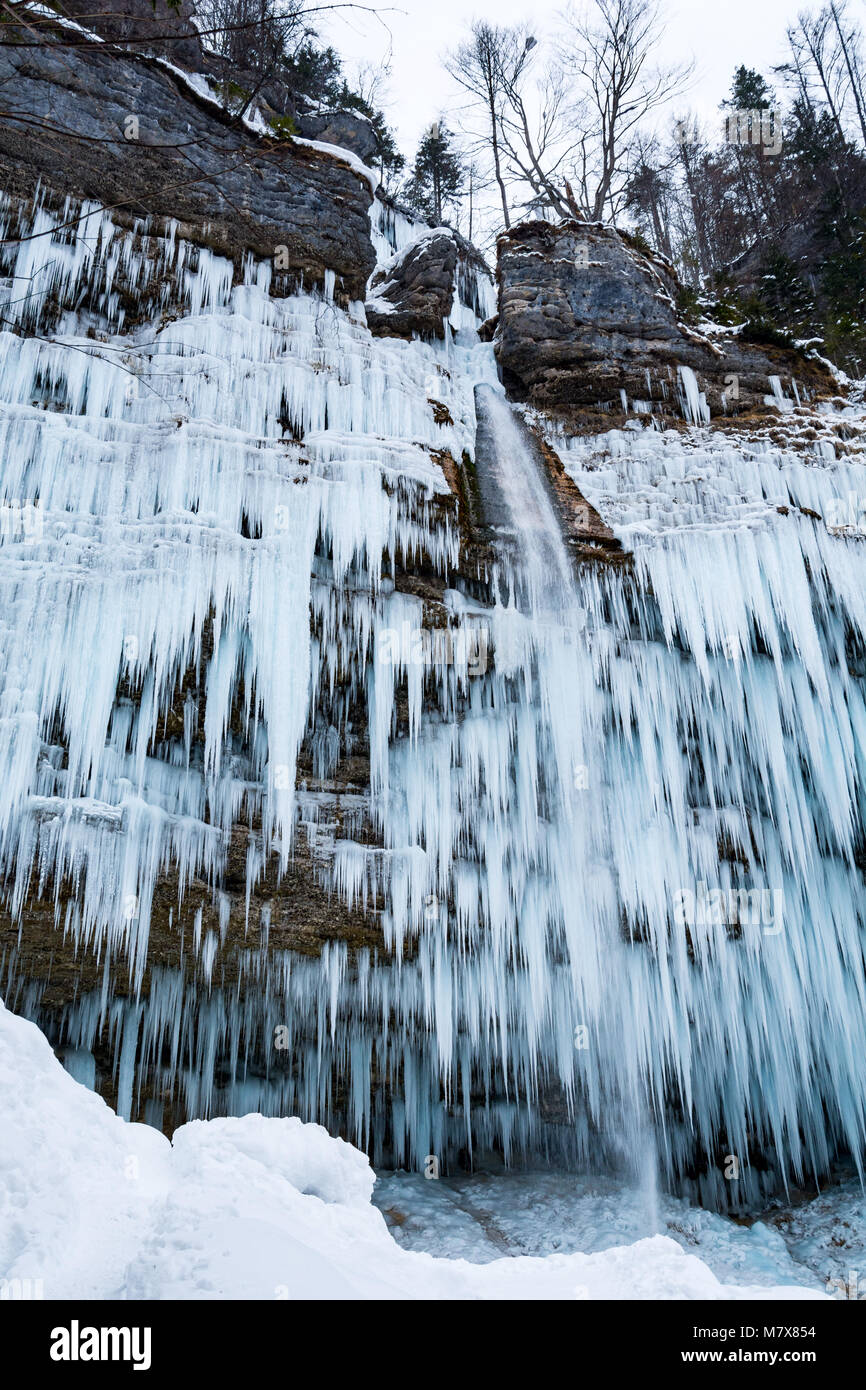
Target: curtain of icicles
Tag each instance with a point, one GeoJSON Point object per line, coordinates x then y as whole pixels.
{"type": "Point", "coordinates": [218, 480]}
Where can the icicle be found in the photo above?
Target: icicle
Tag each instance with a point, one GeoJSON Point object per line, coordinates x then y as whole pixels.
{"type": "Point", "coordinates": [692, 399]}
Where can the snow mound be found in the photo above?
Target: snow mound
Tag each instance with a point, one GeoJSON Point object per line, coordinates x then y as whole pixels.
{"type": "Point", "coordinates": [304, 1154]}
{"type": "Point", "coordinates": [95, 1207]}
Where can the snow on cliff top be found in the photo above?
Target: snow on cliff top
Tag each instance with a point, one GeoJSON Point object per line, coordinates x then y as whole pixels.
{"type": "Point", "coordinates": [202, 86]}
{"type": "Point", "coordinates": [245, 1208]}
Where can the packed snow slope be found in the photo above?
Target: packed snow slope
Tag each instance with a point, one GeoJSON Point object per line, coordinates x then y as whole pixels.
{"type": "Point", "coordinates": [95, 1207]}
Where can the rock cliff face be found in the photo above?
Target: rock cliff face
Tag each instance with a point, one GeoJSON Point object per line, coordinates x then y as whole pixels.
{"type": "Point", "coordinates": [163, 26]}
{"type": "Point", "coordinates": [98, 123]}
{"type": "Point", "coordinates": [584, 317]}
{"type": "Point", "coordinates": [415, 292]}
{"type": "Point", "coordinates": [347, 129]}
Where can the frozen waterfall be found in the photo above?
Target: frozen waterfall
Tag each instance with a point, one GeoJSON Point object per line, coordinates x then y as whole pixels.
{"type": "Point", "coordinates": [610, 840]}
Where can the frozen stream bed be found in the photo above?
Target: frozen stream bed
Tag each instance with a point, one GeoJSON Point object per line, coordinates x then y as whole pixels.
{"type": "Point", "coordinates": [820, 1242]}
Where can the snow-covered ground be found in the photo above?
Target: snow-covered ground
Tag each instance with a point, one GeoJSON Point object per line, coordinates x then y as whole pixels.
{"type": "Point", "coordinates": [94, 1207]}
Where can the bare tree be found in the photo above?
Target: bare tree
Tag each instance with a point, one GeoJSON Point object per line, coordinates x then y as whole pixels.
{"type": "Point", "coordinates": [537, 128]}
{"type": "Point", "coordinates": [849, 44]}
{"type": "Point", "coordinates": [650, 191]}
{"type": "Point", "coordinates": [527, 120]}
{"type": "Point", "coordinates": [690, 153]}
{"type": "Point", "coordinates": [253, 34]}
{"type": "Point", "coordinates": [815, 56]}
{"type": "Point", "coordinates": [479, 65]}
{"type": "Point", "coordinates": [607, 50]}
{"type": "Point", "coordinates": [371, 82]}
{"type": "Point", "coordinates": [477, 180]}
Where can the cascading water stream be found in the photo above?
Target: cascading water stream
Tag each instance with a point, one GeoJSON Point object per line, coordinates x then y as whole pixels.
{"type": "Point", "coordinates": [539, 575]}
{"type": "Point", "coordinates": [517, 503]}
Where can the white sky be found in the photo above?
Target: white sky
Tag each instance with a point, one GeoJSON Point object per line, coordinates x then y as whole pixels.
{"type": "Point", "coordinates": [719, 34]}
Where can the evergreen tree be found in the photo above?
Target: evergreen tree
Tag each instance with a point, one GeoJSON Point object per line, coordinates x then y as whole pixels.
{"type": "Point", "coordinates": [813, 138]}
{"type": "Point", "coordinates": [749, 91]}
{"type": "Point", "coordinates": [310, 71]}
{"type": "Point", "coordinates": [315, 75]}
{"type": "Point", "coordinates": [437, 177]}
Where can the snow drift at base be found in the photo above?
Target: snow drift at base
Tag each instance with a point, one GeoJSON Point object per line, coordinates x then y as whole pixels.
{"type": "Point", "coordinates": [95, 1207]}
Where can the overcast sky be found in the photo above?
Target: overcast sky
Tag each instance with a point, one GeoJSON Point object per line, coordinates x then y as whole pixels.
{"type": "Point", "coordinates": [719, 34]}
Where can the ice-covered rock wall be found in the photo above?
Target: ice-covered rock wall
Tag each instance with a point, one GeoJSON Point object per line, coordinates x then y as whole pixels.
{"type": "Point", "coordinates": [609, 829]}
{"type": "Point", "coordinates": [171, 482]}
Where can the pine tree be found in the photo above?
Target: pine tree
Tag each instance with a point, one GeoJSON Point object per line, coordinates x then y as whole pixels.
{"type": "Point", "coordinates": [437, 175]}
{"type": "Point", "coordinates": [749, 91]}
{"type": "Point", "coordinates": [750, 94]}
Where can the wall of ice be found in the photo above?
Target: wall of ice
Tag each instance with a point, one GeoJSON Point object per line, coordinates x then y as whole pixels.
{"type": "Point", "coordinates": [138, 468]}
{"type": "Point", "coordinates": [214, 498]}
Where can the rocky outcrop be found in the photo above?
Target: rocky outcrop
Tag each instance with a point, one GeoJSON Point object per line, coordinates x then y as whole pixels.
{"type": "Point", "coordinates": [414, 293]}
{"type": "Point", "coordinates": [157, 26]}
{"type": "Point", "coordinates": [585, 530]}
{"type": "Point", "coordinates": [588, 322]}
{"type": "Point", "coordinates": [98, 123]}
{"type": "Point", "coordinates": [348, 129]}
